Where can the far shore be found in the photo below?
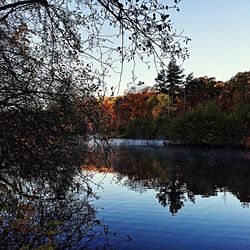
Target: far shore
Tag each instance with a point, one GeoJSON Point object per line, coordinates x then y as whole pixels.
{"type": "Point", "coordinates": [162, 143]}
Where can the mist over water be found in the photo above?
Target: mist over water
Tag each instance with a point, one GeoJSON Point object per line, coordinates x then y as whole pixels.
{"type": "Point", "coordinates": [176, 198]}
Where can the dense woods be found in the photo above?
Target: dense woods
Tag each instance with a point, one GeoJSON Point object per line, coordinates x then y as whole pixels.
{"type": "Point", "coordinates": [189, 110]}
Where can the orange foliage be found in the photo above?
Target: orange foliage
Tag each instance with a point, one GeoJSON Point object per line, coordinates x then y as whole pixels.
{"type": "Point", "coordinates": [133, 105]}
{"type": "Point", "coordinates": [125, 108]}
{"type": "Point", "coordinates": [101, 169]}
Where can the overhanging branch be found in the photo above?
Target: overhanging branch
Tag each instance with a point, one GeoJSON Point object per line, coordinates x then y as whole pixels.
{"type": "Point", "coordinates": [21, 3]}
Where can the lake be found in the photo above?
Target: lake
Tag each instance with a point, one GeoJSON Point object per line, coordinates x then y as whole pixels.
{"type": "Point", "coordinates": [173, 198]}
{"type": "Point", "coordinates": [142, 197]}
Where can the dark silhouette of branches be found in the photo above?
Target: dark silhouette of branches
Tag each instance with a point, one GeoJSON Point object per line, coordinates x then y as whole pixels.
{"type": "Point", "coordinates": [54, 59]}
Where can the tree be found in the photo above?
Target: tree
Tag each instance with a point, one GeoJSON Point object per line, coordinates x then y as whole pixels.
{"type": "Point", "coordinates": [187, 82]}
{"type": "Point", "coordinates": [48, 45]}
{"type": "Point", "coordinates": [239, 87]}
{"type": "Point", "coordinates": [169, 81]}
{"type": "Point", "coordinates": [202, 89]}
{"type": "Point", "coordinates": [54, 57]}
{"type": "Point", "coordinates": [157, 104]}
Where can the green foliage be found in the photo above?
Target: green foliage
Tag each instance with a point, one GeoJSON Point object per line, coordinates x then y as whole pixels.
{"type": "Point", "coordinates": [208, 125]}
{"type": "Point", "coordinates": [139, 128]}
{"type": "Point", "coordinates": [158, 104]}
{"type": "Point", "coordinates": [170, 78]}
{"type": "Point", "coordinates": [209, 112]}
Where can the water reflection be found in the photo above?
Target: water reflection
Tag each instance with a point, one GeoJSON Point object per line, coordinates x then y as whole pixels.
{"type": "Point", "coordinates": [47, 206]}
{"type": "Point", "coordinates": [181, 174]}
{"type": "Point", "coordinates": [50, 204]}
{"type": "Point", "coordinates": [172, 194]}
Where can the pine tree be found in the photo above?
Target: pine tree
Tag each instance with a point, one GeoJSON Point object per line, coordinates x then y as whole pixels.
{"type": "Point", "coordinates": [169, 81]}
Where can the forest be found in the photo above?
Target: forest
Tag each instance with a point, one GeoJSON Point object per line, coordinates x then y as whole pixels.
{"type": "Point", "coordinates": [55, 59]}
{"type": "Point", "coordinates": [185, 110]}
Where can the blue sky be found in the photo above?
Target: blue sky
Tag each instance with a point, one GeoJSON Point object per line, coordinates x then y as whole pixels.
{"type": "Point", "coordinates": [220, 33]}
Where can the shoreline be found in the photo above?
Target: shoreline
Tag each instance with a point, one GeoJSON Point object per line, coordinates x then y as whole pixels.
{"type": "Point", "coordinates": [165, 143]}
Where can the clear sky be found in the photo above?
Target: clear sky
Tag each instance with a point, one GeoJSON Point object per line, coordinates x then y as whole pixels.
{"type": "Point", "coordinates": [220, 33]}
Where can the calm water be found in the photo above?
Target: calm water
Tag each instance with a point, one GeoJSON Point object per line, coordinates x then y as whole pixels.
{"type": "Point", "coordinates": [174, 198]}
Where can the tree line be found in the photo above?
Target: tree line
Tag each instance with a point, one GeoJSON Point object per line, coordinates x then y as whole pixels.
{"type": "Point", "coordinates": [185, 110]}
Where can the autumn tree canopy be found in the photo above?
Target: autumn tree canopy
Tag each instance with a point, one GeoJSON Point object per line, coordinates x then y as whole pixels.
{"type": "Point", "coordinates": [55, 55]}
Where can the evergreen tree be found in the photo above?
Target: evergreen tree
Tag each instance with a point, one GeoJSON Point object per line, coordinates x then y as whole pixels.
{"type": "Point", "coordinates": [188, 80]}
{"type": "Point", "coordinates": [169, 81]}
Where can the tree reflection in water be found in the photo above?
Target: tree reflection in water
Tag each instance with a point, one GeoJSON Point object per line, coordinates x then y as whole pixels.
{"type": "Point", "coordinates": [48, 205]}
{"type": "Point", "coordinates": [179, 174]}
{"type": "Point", "coordinates": [172, 194]}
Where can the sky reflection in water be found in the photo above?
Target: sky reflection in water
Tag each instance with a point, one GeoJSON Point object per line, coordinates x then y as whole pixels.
{"type": "Point", "coordinates": [177, 198]}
